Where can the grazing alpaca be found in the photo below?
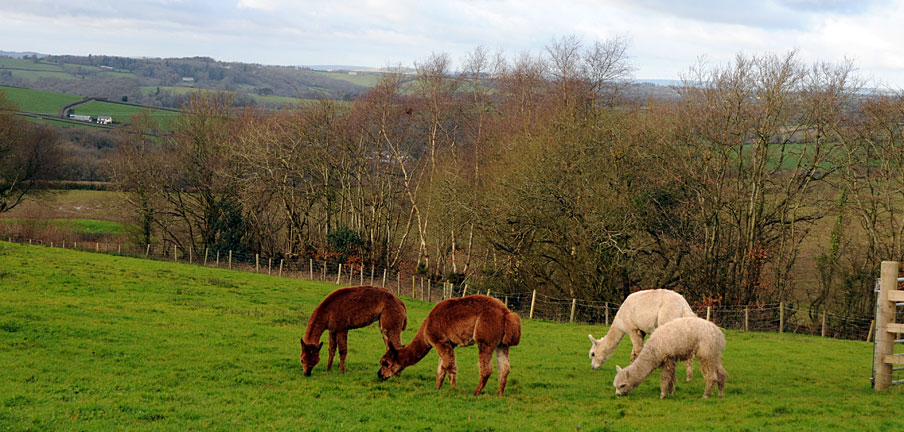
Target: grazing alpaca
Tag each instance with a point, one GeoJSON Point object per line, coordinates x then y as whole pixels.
{"type": "Point", "coordinates": [679, 339]}
{"type": "Point", "coordinates": [640, 314]}
{"type": "Point", "coordinates": [460, 322]}
{"type": "Point", "coordinates": [346, 309]}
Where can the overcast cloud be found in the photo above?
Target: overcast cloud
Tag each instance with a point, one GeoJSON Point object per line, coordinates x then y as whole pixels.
{"type": "Point", "coordinates": [667, 36]}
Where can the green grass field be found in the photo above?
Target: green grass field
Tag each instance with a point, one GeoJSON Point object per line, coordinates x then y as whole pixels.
{"type": "Point", "coordinates": [98, 342]}
{"type": "Point", "coordinates": [38, 101]}
{"type": "Point", "coordinates": [366, 79]}
{"type": "Point", "coordinates": [123, 113]}
{"type": "Point", "coordinates": [87, 226]}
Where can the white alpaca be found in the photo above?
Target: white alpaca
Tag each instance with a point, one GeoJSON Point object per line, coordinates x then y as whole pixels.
{"type": "Point", "coordinates": [679, 339]}
{"type": "Point", "coordinates": [640, 314]}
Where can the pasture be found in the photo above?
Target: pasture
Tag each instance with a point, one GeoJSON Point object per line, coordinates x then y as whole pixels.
{"type": "Point", "coordinates": [97, 342]}
{"type": "Point", "coordinates": [38, 101]}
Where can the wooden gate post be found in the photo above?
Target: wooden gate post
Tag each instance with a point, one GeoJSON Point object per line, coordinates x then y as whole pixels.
{"type": "Point", "coordinates": [885, 314]}
{"type": "Point", "coordinates": [573, 304]}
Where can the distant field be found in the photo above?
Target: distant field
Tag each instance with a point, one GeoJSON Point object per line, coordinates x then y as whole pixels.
{"type": "Point", "coordinates": [188, 90]}
{"type": "Point", "coordinates": [123, 113]}
{"type": "Point", "coordinates": [366, 79]}
{"type": "Point", "coordinates": [37, 100]}
{"type": "Point", "coordinates": [43, 68]}
{"type": "Point", "coordinates": [86, 226]}
{"type": "Point", "coordinates": [73, 204]}
{"type": "Point", "coordinates": [29, 64]}
{"type": "Point", "coordinates": [98, 342]}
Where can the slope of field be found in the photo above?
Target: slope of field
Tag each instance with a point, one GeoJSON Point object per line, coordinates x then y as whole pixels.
{"type": "Point", "coordinates": [38, 101]}
{"type": "Point", "coordinates": [98, 342]}
{"type": "Point", "coordinates": [122, 113]}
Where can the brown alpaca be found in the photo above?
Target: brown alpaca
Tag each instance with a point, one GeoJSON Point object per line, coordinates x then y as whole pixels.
{"type": "Point", "coordinates": [460, 322]}
{"type": "Point", "coordinates": [346, 309]}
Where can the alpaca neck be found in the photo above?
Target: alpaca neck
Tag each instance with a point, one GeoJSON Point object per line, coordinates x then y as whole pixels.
{"type": "Point", "coordinates": [414, 351]}
{"type": "Point", "coordinates": [644, 364]}
{"type": "Point", "coordinates": [316, 327]}
{"type": "Point", "coordinates": [610, 341]}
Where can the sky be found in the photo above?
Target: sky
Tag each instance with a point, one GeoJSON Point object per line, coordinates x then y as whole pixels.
{"type": "Point", "coordinates": [666, 37]}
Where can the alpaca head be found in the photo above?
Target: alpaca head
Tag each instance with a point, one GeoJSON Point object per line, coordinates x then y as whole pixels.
{"type": "Point", "coordinates": [622, 382]}
{"type": "Point", "coordinates": [600, 351]}
{"type": "Point", "coordinates": [390, 364]}
{"type": "Point", "coordinates": [310, 356]}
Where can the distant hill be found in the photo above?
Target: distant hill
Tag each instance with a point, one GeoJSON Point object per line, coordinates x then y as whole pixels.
{"type": "Point", "coordinates": [166, 82]}
{"type": "Point", "coordinates": [17, 54]}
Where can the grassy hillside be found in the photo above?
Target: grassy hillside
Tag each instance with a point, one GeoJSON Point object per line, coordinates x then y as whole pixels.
{"type": "Point", "coordinates": [38, 101]}
{"type": "Point", "coordinates": [122, 113]}
{"type": "Point", "coordinates": [97, 342]}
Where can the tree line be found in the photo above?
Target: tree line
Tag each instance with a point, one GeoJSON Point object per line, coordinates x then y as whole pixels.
{"type": "Point", "coordinates": [765, 180]}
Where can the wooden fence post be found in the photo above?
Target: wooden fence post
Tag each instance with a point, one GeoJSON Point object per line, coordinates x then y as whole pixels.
{"type": "Point", "coordinates": [429, 286]}
{"type": "Point", "coordinates": [339, 275]}
{"type": "Point", "coordinates": [707, 312]}
{"type": "Point", "coordinates": [96, 247]}
{"type": "Point", "coordinates": [746, 318]}
{"type": "Point", "coordinates": [230, 259]}
{"type": "Point", "coordinates": [189, 254]}
{"type": "Point", "coordinates": [119, 248]}
{"type": "Point", "coordinates": [218, 258]}
{"type": "Point", "coordinates": [869, 333]}
{"type": "Point", "coordinates": [257, 263]}
{"type": "Point", "coordinates": [823, 332]}
{"type": "Point", "coordinates": [362, 276]}
{"type": "Point", "coordinates": [384, 279]}
{"type": "Point", "coordinates": [311, 266]}
{"type": "Point", "coordinates": [323, 272]}
{"type": "Point", "coordinates": [505, 302]}
{"type": "Point", "coordinates": [533, 300]}
{"type": "Point", "coordinates": [464, 292]}
{"type": "Point", "coordinates": [607, 314]}
{"type": "Point", "coordinates": [885, 316]}
{"type": "Point", "coordinates": [781, 317]}
{"type": "Point", "coordinates": [413, 282]}
{"type": "Point", "coordinates": [175, 253]}
{"type": "Point", "coordinates": [206, 251]}
{"type": "Point", "coordinates": [574, 303]}
{"type": "Point", "coordinates": [280, 267]}
{"type": "Point", "coordinates": [64, 244]}
{"type": "Point", "coordinates": [147, 251]}
{"type": "Point", "coordinates": [371, 275]}
{"type": "Point", "coordinates": [269, 266]}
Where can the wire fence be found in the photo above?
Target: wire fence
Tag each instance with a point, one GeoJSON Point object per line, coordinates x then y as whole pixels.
{"type": "Point", "coordinates": [781, 317]}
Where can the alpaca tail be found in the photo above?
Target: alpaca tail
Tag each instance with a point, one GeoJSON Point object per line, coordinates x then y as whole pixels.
{"type": "Point", "coordinates": [512, 329]}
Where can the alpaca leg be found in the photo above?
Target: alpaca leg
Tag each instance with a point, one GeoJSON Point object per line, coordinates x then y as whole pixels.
{"type": "Point", "coordinates": [446, 365]}
{"type": "Point", "coordinates": [485, 365]}
{"type": "Point", "coordinates": [342, 342]}
{"type": "Point", "coordinates": [502, 366]}
{"type": "Point", "coordinates": [689, 368]}
{"type": "Point", "coordinates": [667, 379]}
{"type": "Point", "coordinates": [710, 376]}
{"type": "Point", "coordinates": [722, 376]}
{"type": "Point", "coordinates": [329, 362]}
{"type": "Point", "coordinates": [440, 373]}
{"type": "Point", "coordinates": [636, 342]}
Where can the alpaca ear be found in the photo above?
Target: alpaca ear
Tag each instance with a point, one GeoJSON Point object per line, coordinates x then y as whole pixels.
{"type": "Point", "coordinates": [320, 345]}
{"type": "Point", "coordinates": [617, 368]}
{"type": "Point", "coordinates": [592, 340]}
{"type": "Point", "coordinates": [392, 349]}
